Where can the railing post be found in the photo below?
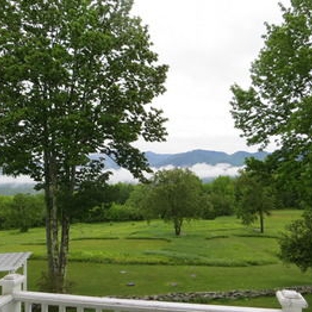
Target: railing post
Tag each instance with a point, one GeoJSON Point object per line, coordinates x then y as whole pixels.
{"type": "Point", "coordinates": [11, 283]}
{"type": "Point", "coordinates": [291, 301]}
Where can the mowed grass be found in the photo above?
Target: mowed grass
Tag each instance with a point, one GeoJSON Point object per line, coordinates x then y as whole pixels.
{"type": "Point", "coordinates": [212, 255]}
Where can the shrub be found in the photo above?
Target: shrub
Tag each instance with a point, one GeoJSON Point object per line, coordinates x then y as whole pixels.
{"type": "Point", "coordinates": [123, 213]}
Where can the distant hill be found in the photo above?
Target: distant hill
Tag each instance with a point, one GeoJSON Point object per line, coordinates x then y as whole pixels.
{"type": "Point", "coordinates": [187, 159]}
{"type": "Point", "coordinates": [191, 158]}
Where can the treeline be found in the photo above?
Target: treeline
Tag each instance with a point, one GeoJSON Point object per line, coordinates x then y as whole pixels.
{"type": "Point", "coordinates": [172, 195]}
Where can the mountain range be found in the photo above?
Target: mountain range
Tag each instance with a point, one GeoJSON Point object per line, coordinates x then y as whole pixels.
{"type": "Point", "coordinates": [199, 156]}
{"type": "Point", "coordinates": [190, 158]}
{"type": "Point", "coordinates": [206, 164]}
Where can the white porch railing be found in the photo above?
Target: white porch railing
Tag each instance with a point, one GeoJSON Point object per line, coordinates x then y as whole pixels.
{"type": "Point", "coordinates": [13, 299]}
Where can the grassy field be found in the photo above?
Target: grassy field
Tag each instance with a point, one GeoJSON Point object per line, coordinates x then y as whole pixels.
{"type": "Point", "coordinates": [216, 255]}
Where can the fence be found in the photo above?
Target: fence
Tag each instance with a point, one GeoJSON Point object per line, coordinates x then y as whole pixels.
{"type": "Point", "coordinates": [14, 299]}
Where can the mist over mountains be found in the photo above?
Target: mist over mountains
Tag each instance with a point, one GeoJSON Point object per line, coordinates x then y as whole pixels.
{"type": "Point", "coordinates": [194, 157]}
{"type": "Point", "coordinates": [206, 164]}
{"type": "Point", "coordinates": [190, 158]}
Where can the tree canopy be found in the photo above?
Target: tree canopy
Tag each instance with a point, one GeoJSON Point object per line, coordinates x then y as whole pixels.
{"type": "Point", "coordinates": [255, 193]}
{"type": "Point", "coordinates": [174, 195]}
{"type": "Point", "coordinates": [76, 77]}
{"type": "Point", "coordinates": [277, 105]}
{"type": "Point", "coordinates": [295, 244]}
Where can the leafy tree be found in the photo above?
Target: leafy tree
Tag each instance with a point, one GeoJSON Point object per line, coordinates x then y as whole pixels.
{"type": "Point", "coordinates": [5, 202]}
{"type": "Point", "coordinates": [295, 245]}
{"type": "Point", "coordinates": [207, 210]}
{"type": "Point", "coordinates": [284, 177]}
{"type": "Point", "coordinates": [138, 200]}
{"type": "Point", "coordinates": [175, 196]}
{"type": "Point", "coordinates": [92, 197]}
{"type": "Point", "coordinates": [122, 192]}
{"type": "Point", "coordinates": [255, 196]}
{"type": "Point", "coordinates": [277, 105]}
{"type": "Point", "coordinates": [76, 77]}
{"type": "Point", "coordinates": [222, 197]}
{"type": "Point", "coordinates": [118, 212]}
{"type": "Point", "coordinates": [25, 211]}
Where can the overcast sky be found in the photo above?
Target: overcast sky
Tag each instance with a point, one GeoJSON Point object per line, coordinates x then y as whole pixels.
{"type": "Point", "coordinates": [209, 45]}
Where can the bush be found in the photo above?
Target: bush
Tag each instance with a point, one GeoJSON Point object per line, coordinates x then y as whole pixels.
{"type": "Point", "coordinates": [24, 211]}
{"type": "Point", "coordinates": [123, 213]}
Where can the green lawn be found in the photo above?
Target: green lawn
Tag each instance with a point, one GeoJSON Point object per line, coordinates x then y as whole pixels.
{"type": "Point", "coordinates": [214, 255]}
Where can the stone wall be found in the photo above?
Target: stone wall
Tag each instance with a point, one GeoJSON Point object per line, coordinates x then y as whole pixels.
{"type": "Point", "coordinates": [213, 295]}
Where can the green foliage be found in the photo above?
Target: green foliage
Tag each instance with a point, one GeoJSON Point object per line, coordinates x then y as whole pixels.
{"type": "Point", "coordinates": [175, 196]}
{"type": "Point", "coordinates": [207, 209]}
{"type": "Point", "coordinates": [5, 202]}
{"type": "Point", "coordinates": [221, 195]}
{"type": "Point", "coordinates": [77, 77]}
{"type": "Point", "coordinates": [277, 105]}
{"type": "Point", "coordinates": [122, 192]}
{"type": "Point", "coordinates": [295, 244]}
{"type": "Point", "coordinates": [138, 199]}
{"type": "Point", "coordinates": [97, 201]}
{"type": "Point", "coordinates": [119, 212]}
{"type": "Point", "coordinates": [22, 211]}
{"type": "Point", "coordinates": [254, 195]}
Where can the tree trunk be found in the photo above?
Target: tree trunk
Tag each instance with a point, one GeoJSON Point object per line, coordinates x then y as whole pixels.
{"type": "Point", "coordinates": [177, 226]}
{"type": "Point", "coordinates": [56, 248]}
{"type": "Point", "coordinates": [57, 223]}
{"type": "Point", "coordinates": [64, 248]}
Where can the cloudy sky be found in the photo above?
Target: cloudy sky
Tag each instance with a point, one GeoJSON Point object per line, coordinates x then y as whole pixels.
{"type": "Point", "coordinates": [209, 45]}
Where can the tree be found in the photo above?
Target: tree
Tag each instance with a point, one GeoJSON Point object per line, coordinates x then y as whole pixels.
{"type": "Point", "coordinates": [255, 196]}
{"type": "Point", "coordinates": [122, 192]}
{"type": "Point", "coordinates": [295, 244]}
{"type": "Point", "coordinates": [5, 202]}
{"type": "Point", "coordinates": [277, 105]}
{"type": "Point", "coordinates": [222, 197]}
{"type": "Point", "coordinates": [253, 200]}
{"type": "Point", "coordinates": [175, 196]}
{"type": "Point", "coordinates": [138, 201]}
{"type": "Point", "coordinates": [76, 77]}
{"type": "Point", "coordinates": [25, 211]}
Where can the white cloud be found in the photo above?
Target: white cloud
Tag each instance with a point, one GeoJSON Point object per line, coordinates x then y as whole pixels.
{"type": "Point", "coordinates": [15, 181]}
{"type": "Point", "coordinates": [207, 171]}
{"type": "Point", "coordinates": [209, 45]}
{"type": "Point", "coordinates": [202, 170]}
{"type": "Point", "coordinates": [121, 175]}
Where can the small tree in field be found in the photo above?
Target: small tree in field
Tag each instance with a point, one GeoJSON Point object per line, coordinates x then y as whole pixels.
{"type": "Point", "coordinates": [76, 77]}
{"type": "Point", "coordinates": [175, 195]}
{"type": "Point", "coordinates": [255, 195]}
{"type": "Point", "coordinates": [253, 199]}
